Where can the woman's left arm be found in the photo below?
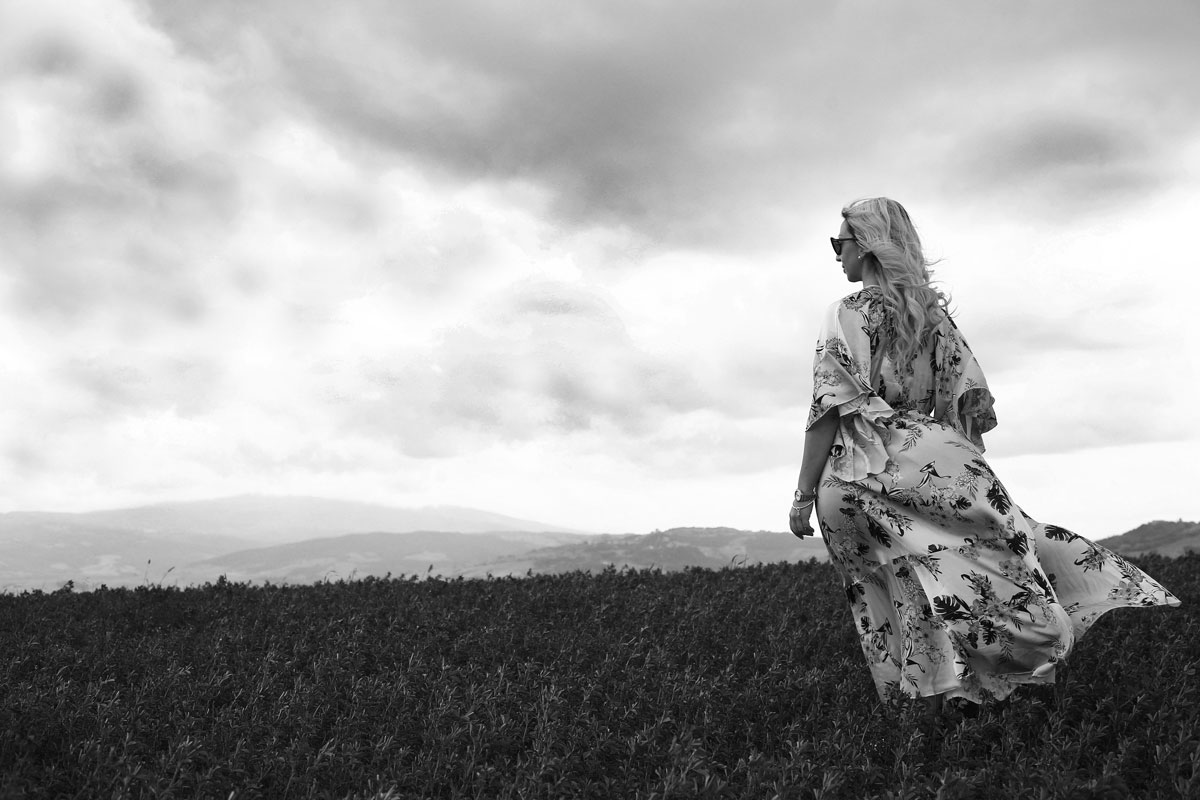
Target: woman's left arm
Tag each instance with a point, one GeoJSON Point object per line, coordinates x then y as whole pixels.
{"type": "Point", "coordinates": [818, 441]}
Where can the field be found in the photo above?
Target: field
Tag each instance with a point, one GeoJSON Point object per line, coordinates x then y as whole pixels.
{"type": "Point", "coordinates": [739, 683]}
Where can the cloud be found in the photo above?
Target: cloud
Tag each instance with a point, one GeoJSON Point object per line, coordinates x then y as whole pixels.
{"type": "Point", "coordinates": [114, 180]}
{"type": "Point", "coordinates": [1072, 407]}
{"type": "Point", "coordinates": [541, 359]}
{"type": "Point", "coordinates": [712, 126]}
{"type": "Point", "coordinates": [1005, 340]}
{"type": "Point", "coordinates": [716, 128]}
{"type": "Point", "coordinates": [552, 363]}
{"type": "Point", "coordinates": [1064, 166]}
{"type": "Point", "coordinates": [611, 107]}
{"type": "Point", "coordinates": [289, 238]}
{"type": "Point", "coordinates": [111, 387]}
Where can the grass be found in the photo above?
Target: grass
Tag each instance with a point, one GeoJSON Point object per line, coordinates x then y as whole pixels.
{"type": "Point", "coordinates": [744, 682]}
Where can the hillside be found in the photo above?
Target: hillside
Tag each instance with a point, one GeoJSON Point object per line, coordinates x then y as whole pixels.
{"type": "Point", "coordinates": [45, 551]}
{"type": "Point", "coordinates": [498, 553]}
{"type": "Point", "coordinates": [309, 539]}
{"type": "Point", "coordinates": [131, 546]}
{"type": "Point", "coordinates": [669, 550]}
{"type": "Point", "coordinates": [378, 554]}
{"type": "Point", "coordinates": [274, 519]}
{"type": "Point", "coordinates": [1160, 537]}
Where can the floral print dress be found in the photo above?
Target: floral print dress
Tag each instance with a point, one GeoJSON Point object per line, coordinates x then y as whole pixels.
{"type": "Point", "coordinates": [953, 588]}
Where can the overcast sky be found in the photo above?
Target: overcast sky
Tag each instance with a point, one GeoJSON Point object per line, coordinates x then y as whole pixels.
{"type": "Point", "coordinates": [566, 261]}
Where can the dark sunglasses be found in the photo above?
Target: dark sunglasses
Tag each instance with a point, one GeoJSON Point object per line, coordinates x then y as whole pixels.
{"type": "Point", "coordinates": [837, 243]}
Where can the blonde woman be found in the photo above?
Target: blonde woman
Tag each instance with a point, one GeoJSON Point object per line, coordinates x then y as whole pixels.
{"type": "Point", "coordinates": [954, 590]}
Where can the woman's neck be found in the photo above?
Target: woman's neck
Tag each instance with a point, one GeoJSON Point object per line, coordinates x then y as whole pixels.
{"type": "Point", "coordinates": [870, 275]}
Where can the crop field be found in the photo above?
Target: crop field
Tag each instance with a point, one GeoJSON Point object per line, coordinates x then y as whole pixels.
{"type": "Point", "coordinates": [746, 682]}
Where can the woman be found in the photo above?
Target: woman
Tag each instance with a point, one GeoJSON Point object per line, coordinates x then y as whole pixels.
{"type": "Point", "coordinates": [955, 591]}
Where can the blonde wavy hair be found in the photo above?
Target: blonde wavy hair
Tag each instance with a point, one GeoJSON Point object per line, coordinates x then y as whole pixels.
{"type": "Point", "coordinates": [887, 238]}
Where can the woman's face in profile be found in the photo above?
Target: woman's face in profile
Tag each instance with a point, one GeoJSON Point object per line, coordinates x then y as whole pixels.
{"type": "Point", "coordinates": [850, 258]}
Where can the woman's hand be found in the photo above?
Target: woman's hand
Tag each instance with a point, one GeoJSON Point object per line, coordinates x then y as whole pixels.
{"type": "Point", "coordinates": [798, 519]}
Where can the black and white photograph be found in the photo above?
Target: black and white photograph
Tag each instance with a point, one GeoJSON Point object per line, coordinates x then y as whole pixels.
{"type": "Point", "coordinates": [601, 399]}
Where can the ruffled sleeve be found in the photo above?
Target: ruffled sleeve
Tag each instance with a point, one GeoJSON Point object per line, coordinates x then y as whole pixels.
{"type": "Point", "coordinates": [842, 383]}
{"type": "Point", "coordinates": [963, 399]}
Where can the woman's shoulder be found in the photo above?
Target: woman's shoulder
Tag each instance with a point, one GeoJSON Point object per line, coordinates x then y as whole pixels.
{"type": "Point", "coordinates": [859, 300]}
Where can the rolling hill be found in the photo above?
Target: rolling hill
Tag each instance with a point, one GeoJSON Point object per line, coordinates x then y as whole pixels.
{"type": "Point", "coordinates": [1161, 537]}
{"type": "Point", "coordinates": [307, 539]}
{"type": "Point", "coordinates": [131, 546]}
{"type": "Point", "coordinates": [378, 554]}
{"type": "Point", "coordinates": [277, 519]}
{"type": "Point", "coordinates": [669, 550]}
{"type": "Point", "coordinates": [498, 553]}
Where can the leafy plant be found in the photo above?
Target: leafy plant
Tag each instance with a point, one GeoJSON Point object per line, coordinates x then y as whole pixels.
{"type": "Point", "coordinates": [742, 682]}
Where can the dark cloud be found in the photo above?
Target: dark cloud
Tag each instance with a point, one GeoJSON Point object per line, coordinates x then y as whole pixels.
{"type": "Point", "coordinates": [614, 123]}
{"type": "Point", "coordinates": [621, 111]}
{"type": "Point", "coordinates": [1063, 166]}
{"type": "Point", "coordinates": [693, 123]}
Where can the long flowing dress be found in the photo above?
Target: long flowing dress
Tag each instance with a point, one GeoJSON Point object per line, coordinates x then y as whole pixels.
{"type": "Point", "coordinates": [953, 588]}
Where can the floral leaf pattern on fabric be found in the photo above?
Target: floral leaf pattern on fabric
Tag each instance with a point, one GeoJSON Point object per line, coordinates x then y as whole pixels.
{"type": "Point", "coordinates": [955, 589]}
{"type": "Point", "coordinates": [1059, 534]}
{"type": "Point", "coordinates": [999, 498]}
{"type": "Point", "coordinates": [950, 607]}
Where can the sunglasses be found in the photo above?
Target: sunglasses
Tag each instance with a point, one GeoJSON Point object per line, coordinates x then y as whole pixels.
{"type": "Point", "coordinates": [837, 243]}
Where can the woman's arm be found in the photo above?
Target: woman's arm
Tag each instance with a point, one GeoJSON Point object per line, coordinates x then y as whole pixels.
{"type": "Point", "coordinates": [818, 441]}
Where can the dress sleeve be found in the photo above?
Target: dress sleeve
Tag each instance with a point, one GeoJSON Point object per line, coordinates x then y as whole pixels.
{"type": "Point", "coordinates": [842, 384]}
{"type": "Point", "coordinates": [964, 401]}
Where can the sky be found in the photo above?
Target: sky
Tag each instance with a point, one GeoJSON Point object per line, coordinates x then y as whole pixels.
{"type": "Point", "coordinates": [567, 261]}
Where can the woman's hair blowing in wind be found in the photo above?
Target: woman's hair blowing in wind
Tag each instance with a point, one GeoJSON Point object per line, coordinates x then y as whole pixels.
{"type": "Point", "coordinates": [886, 236]}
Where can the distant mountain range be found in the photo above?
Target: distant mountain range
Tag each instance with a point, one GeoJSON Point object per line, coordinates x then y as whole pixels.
{"type": "Point", "coordinates": [167, 541]}
{"type": "Point", "coordinates": [1163, 538]}
{"type": "Point", "coordinates": [667, 550]}
{"type": "Point", "coordinates": [361, 554]}
{"type": "Point", "coordinates": [275, 519]}
{"type": "Point", "coordinates": [306, 539]}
